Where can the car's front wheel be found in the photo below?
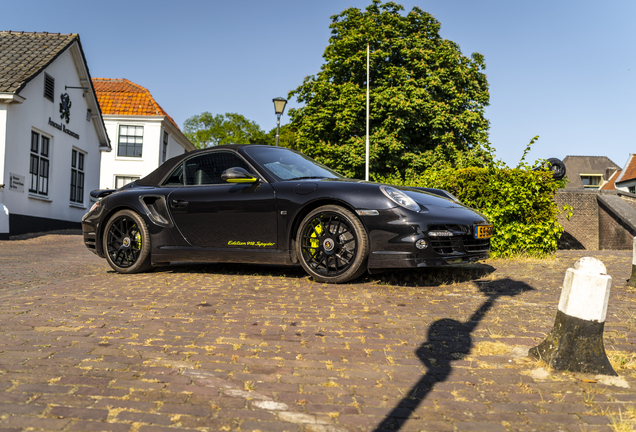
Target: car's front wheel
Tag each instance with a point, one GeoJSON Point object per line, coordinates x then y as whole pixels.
{"type": "Point", "coordinates": [332, 244]}
{"type": "Point", "coordinates": [127, 243]}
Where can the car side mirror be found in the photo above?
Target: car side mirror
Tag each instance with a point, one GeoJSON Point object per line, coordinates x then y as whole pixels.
{"type": "Point", "coordinates": [237, 175]}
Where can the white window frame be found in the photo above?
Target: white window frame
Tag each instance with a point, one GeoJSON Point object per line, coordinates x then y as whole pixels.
{"type": "Point", "coordinates": [164, 146]}
{"type": "Point", "coordinates": [42, 161]}
{"type": "Point", "coordinates": [78, 176]}
{"type": "Point", "coordinates": [135, 136]}
{"type": "Point", "coordinates": [124, 176]}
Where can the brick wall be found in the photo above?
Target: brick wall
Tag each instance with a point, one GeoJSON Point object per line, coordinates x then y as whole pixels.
{"type": "Point", "coordinates": [582, 230]}
{"type": "Point", "coordinates": [592, 226]}
{"type": "Point", "coordinates": [612, 234]}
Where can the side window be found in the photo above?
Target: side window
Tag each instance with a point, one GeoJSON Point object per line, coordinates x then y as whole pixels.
{"type": "Point", "coordinates": [176, 178]}
{"type": "Point", "coordinates": [207, 168]}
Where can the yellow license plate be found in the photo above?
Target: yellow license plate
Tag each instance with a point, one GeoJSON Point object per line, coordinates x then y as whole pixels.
{"type": "Point", "coordinates": [484, 231]}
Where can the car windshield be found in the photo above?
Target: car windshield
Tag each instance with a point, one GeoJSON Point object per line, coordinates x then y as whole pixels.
{"type": "Point", "coordinates": [285, 164]}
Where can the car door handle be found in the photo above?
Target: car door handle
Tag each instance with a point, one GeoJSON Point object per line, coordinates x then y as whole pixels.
{"type": "Point", "coordinates": [176, 203]}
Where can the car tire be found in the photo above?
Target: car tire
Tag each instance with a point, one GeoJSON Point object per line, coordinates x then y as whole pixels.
{"type": "Point", "coordinates": [127, 243]}
{"type": "Point", "coordinates": [332, 245]}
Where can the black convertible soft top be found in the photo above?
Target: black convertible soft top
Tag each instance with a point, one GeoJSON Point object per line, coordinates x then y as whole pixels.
{"type": "Point", "coordinates": [156, 177]}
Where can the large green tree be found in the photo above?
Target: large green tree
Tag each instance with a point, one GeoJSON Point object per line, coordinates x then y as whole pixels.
{"type": "Point", "coordinates": [424, 94]}
{"type": "Point", "coordinates": [205, 130]}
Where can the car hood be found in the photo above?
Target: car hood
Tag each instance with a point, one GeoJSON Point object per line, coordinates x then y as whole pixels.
{"type": "Point", "coordinates": [421, 197]}
{"type": "Point", "coordinates": [425, 199]}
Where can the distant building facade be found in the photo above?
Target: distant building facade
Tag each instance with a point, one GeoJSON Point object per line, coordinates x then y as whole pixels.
{"type": "Point", "coordinates": [589, 172]}
{"type": "Point", "coordinates": [52, 133]}
{"type": "Point", "coordinates": [143, 135]}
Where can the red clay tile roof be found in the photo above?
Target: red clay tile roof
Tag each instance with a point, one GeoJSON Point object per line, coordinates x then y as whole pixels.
{"type": "Point", "coordinates": [609, 185]}
{"type": "Point", "coordinates": [629, 173]}
{"type": "Point", "coordinates": [120, 96]}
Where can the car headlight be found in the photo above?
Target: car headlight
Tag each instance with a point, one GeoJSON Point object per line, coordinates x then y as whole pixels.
{"type": "Point", "coordinates": [400, 198]}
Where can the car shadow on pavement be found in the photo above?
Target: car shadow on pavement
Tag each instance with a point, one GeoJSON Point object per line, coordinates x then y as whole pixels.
{"type": "Point", "coordinates": [447, 340]}
{"type": "Point", "coordinates": [434, 276]}
{"type": "Point", "coordinates": [238, 269]}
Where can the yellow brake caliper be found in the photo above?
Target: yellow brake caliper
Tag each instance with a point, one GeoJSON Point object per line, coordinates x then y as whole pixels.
{"type": "Point", "coordinates": [314, 242]}
{"type": "Point", "coordinates": [137, 239]}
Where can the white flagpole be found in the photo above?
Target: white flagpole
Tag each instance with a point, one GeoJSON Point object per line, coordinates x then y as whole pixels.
{"type": "Point", "coordinates": [366, 177]}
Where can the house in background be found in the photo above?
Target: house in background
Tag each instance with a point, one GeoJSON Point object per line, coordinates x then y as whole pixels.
{"type": "Point", "coordinates": [143, 134]}
{"type": "Point", "coordinates": [626, 179]}
{"type": "Point", "coordinates": [588, 172]}
{"type": "Point", "coordinates": [52, 134]}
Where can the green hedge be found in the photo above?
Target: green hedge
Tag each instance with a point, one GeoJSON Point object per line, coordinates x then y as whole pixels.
{"type": "Point", "coordinates": [518, 201]}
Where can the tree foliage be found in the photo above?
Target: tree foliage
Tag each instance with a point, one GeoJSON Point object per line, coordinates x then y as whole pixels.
{"type": "Point", "coordinates": [286, 137]}
{"type": "Point", "coordinates": [424, 93]}
{"type": "Point", "coordinates": [205, 130]}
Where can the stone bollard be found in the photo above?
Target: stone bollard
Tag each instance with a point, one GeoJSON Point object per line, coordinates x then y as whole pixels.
{"type": "Point", "coordinates": [632, 279]}
{"type": "Point", "coordinates": [576, 341]}
{"type": "Point", "coordinates": [4, 220]}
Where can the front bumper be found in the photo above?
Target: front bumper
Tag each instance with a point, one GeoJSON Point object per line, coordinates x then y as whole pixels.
{"type": "Point", "coordinates": [390, 259]}
{"type": "Point", "coordinates": [393, 235]}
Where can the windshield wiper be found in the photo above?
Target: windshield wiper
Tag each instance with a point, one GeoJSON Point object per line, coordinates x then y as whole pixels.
{"type": "Point", "coordinates": [305, 178]}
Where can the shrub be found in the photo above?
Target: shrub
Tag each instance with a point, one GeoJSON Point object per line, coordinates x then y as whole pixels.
{"type": "Point", "coordinates": [518, 201]}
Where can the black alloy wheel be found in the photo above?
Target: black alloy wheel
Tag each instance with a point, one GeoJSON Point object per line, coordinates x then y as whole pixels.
{"type": "Point", "coordinates": [127, 243]}
{"type": "Point", "coordinates": [332, 245]}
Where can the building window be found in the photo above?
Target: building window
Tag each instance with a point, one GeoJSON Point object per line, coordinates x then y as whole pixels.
{"type": "Point", "coordinates": [131, 140]}
{"type": "Point", "coordinates": [591, 180]}
{"type": "Point", "coordinates": [121, 181]}
{"type": "Point", "coordinates": [49, 87]}
{"type": "Point", "coordinates": [632, 189]}
{"type": "Point", "coordinates": [39, 165]}
{"type": "Point", "coordinates": [77, 177]}
{"type": "Point", "coordinates": [164, 153]}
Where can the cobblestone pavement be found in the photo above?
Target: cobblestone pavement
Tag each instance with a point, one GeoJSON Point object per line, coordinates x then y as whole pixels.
{"type": "Point", "coordinates": [246, 348]}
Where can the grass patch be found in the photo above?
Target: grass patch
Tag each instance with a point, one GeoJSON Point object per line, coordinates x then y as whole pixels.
{"type": "Point", "coordinates": [625, 421]}
{"type": "Point", "coordinates": [622, 361]}
{"type": "Point", "coordinates": [486, 348]}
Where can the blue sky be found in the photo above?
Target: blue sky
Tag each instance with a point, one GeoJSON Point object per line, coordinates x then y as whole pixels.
{"type": "Point", "coordinates": [565, 71]}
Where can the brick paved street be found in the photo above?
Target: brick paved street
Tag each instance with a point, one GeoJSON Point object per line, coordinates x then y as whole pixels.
{"type": "Point", "coordinates": [246, 348]}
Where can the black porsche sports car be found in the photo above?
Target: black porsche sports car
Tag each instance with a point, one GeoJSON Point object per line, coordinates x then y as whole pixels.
{"type": "Point", "coordinates": [265, 204]}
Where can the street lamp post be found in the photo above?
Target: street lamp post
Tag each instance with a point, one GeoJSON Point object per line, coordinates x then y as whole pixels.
{"type": "Point", "coordinates": [279, 107]}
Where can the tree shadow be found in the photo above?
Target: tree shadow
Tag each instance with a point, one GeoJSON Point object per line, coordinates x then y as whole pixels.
{"type": "Point", "coordinates": [447, 340]}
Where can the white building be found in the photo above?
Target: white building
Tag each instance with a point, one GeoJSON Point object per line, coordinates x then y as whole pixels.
{"type": "Point", "coordinates": [143, 135]}
{"type": "Point", "coordinates": [625, 179]}
{"type": "Point", "coordinates": [51, 133]}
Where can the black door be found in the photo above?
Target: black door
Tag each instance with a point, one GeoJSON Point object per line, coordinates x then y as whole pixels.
{"type": "Point", "coordinates": [212, 213]}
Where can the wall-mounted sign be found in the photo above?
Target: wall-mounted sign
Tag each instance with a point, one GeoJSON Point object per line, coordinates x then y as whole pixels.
{"type": "Point", "coordinates": [63, 128]}
{"type": "Point", "coordinates": [16, 182]}
{"type": "Point", "coordinates": [65, 107]}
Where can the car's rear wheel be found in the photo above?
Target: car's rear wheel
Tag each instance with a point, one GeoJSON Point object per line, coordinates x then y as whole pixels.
{"type": "Point", "coordinates": [332, 245]}
{"type": "Point", "coordinates": [127, 243]}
